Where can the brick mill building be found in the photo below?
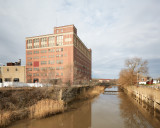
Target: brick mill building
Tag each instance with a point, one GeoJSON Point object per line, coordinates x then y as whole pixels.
{"type": "Point", "coordinates": [61, 55]}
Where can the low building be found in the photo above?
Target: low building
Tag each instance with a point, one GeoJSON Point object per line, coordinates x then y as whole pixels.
{"type": "Point", "coordinates": [155, 81]}
{"type": "Point", "coordinates": [145, 80]}
{"type": "Point", "coordinates": [13, 72]}
{"type": "Point", "coordinates": [104, 80]}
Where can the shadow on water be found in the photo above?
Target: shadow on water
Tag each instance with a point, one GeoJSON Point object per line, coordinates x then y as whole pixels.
{"type": "Point", "coordinates": [105, 111]}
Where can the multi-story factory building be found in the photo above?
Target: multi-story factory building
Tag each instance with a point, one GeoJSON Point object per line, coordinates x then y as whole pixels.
{"type": "Point", "coordinates": [61, 55]}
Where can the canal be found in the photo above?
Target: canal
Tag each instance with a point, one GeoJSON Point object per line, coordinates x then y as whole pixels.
{"type": "Point", "coordinates": [108, 110]}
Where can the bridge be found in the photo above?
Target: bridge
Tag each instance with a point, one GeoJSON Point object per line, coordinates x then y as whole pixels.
{"type": "Point", "coordinates": [111, 92]}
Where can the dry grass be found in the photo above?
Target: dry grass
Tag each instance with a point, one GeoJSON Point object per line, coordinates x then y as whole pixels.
{"type": "Point", "coordinates": [46, 107]}
{"type": "Point", "coordinates": [15, 104]}
{"type": "Point", "coordinates": [92, 92]}
{"type": "Point", "coordinates": [5, 118]}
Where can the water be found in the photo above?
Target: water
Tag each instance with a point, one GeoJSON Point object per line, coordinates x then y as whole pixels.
{"type": "Point", "coordinates": [108, 110]}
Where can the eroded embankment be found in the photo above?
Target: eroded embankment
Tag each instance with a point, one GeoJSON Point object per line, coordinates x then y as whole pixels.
{"type": "Point", "coordinates": [20, 103]}
{"type": "Point", "coordinates": [148, 95]}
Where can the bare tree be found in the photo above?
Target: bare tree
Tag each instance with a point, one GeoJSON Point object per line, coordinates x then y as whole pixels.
{"type": "Point", "coordinates": [29, 76]}
{"type": "Point", "coordinates": [48, 75]}
{"type": "Point", "coordinates": [135, 67]}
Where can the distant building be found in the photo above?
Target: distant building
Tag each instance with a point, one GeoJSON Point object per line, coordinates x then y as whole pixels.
{"type": "Point", "coordinates": [61, 55]}
{"type": "Point", "coordinates": [13, 72]}
{"type": "Point", "coordinates": [104, 80]}
{"type": "Point", "coordinates": [155, 81]}
{"type": "Point", "coordinates": [145, 80]}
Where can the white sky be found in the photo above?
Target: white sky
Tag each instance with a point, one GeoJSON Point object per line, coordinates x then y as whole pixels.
{"type": "Point", "coordinates": [114, 29]}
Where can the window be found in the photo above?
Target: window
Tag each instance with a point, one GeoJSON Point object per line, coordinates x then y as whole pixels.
{"type": "Point", "coordinates": [51, 56]}
{"type": "Point", "coordinates": [59, 40]}
{"type": "Point", "coordinates": [43, 62]}
{"type": "Point", "coordinates": [29, 44]}
{"type": "Point", "coordinates": [44, 69]}
{"type": "Point", "coordinates": [7, 69]}
{"type": "Point", "coordinates": [43, 56]}
{"type": "Point", "coordinates": [50, 50]}
{"type": "Point", "coordinates": [29, 58]}
{"type": "Point", "coordinates": [59, 68]}
{"type": "Point", "coordinates": [16, 80]}
{"type": "Point", "coordinates": [36, 69]}
{"type": "Point", "coordinates": [36, 52]}
{"type": "Point", "coordinates": [59, 61]}
{"type": "Point", "coordinates": [36, 43]}
{"type": "Point", "coordinates": [36, 57]}
{"type": "Point", "coordinates": [29, 52]}
{"type": "Point", "coordinates": [51, 41]}
{"type": "Point", "coordinates": [44, 42]}
{"type": "Point", "coordinates": [43, 51]}
{"type": "Point", "coordinates": [29, 74]}
{"type": "Point", "coordinates": [29, 69]}
{"type": "Point", "coordinates": [29, 63]}
{"type": "Point", "coordinates": [59, 55]}
{"type": "Point", "coordinates": [7, 79]}
{"type": "Point", "coordinates": [35, 74]}
{"type": "Point", "coordinates": [16, 69]}
{"type": "Point", "coordinates": [61, 74]}
{"type": "Point", "coordinates": [43, 74]}
{"type": "Point", "coordinates": [51, 62]}
{"type": "Point", "coordinates": [51, 68]}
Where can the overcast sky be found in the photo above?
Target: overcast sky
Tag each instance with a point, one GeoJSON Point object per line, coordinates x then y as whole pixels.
{"type": "Point", "coordinates": [114, 29]}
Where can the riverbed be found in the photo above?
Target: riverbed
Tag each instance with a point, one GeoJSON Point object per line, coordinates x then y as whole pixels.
{"type": "Point", "coordinates": [112, 109]}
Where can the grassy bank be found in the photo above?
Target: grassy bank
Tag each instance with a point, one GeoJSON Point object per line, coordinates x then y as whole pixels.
{"type": "Point", "coordinates": [21, 103]}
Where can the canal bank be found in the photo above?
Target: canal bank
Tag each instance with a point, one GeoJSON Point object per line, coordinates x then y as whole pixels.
{"type": "Point", "coordinates": [149, 96]}
{"type": "Point", "coordinates": [29, 103]}
{"type": "Point", "coordinates": [107, 110]}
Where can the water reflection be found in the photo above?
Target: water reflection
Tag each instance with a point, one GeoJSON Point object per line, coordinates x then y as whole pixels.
{"type": "Point", "coordinates": [131, 115]}
{"type": "Point", "coordinates": [137, 114]}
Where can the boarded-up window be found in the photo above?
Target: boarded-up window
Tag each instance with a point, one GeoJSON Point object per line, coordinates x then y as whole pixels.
{"type": "Point", "coordinates": [36, 64]}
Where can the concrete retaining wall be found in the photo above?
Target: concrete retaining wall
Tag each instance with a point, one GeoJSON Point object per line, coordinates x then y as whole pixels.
{"type": "Point", "coordinates": [147, 95]}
